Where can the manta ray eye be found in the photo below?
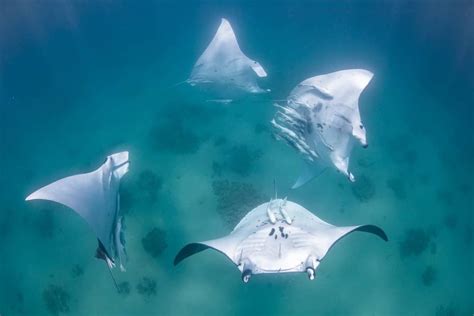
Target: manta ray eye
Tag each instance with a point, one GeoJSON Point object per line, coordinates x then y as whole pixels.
{"type": "Point", "coordinates": [361, 126]}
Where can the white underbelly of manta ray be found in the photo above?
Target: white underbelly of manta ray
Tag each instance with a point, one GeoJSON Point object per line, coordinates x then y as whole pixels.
{"type": "Point", "coordinates": [278, 237]}
{"type": "Point", "coordinates": [95, 197]}
{"type": "Point", "coordinates": [276, 250]}
{"type": "Point", "coordinates": [321, 120]}
{"type": "Point", "coordinates": [224, 69]}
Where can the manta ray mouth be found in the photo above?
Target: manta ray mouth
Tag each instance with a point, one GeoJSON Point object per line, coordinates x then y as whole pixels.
{"type": "Point", "coordinates": [291, 269]}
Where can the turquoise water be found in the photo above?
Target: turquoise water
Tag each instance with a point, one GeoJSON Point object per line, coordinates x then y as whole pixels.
{"type": "Point", "coordinates": [81, 80]}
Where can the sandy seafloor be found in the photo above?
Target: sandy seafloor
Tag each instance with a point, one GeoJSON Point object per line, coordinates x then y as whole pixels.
{"type": "Point", "coordinates": [81, 80]}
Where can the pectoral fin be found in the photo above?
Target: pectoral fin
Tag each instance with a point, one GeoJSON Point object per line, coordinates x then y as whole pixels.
{"type": "Point", "coordinates": [223, 245]}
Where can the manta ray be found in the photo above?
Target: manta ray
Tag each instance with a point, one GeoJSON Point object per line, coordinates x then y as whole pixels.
{"type": "Point", "coordinates": [321, 120]}
{"type": "Point", "coordinates": [95, 197]}
{"type": "Point", "coordinates": [223, 66]}
{"type": "Point", "coordinates": [279, 236]}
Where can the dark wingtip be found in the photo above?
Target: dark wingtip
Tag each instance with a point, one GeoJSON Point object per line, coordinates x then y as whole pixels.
{"type": "Point", "coordinates": [373, 230]}
{"type": "Point", "coordinates": [189, 250]}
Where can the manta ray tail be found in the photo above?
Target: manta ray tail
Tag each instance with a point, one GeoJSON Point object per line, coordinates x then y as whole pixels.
{"type": "Point", "coordinates": [180, 83]}
{"type": "Point", "coordinates": [309, 172]}
{"type": "Point", "coordinates": [275, 189]}
{"type": "Point", "coordinates": [101, 253]}
{"type": "Point", "coordinates": [113, 278]}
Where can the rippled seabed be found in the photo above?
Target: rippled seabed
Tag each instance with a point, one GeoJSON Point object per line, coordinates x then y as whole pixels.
{"type": "Point", "coordinates": [80, 80]}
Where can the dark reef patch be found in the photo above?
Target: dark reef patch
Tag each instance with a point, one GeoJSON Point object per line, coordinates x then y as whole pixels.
{"type": "Point", "coordinates": [235, 199]}
{"type": "Point", "coordinates": [429, 275]}
{"type": "Point", "coordinates": [363, 188]}
{"type": "Point", "coordinates": [465, 188]}
{"type": "Point", "coordinates": [404, 154]}
{"type": "Point", "coordinates": [124, 288]}
{"type": "Point", "coordinates": [175, 129]}
{"type": "Point", "coordinates": [447, 310]}
{"type": "Point", "coordinates": [445, 196]}
{"type": "Point", "coordinates": [398, 187]}
{"type": "Point", "coordinates": [16, 301]}
{"type": "Point", "coordinates": [77, 271]}
{"type": "Point", "coordinates": [174, 137]}
{"type": "Point", "coordinates": [154, 242]}
{"type": "Point", "coordinates": [241, 159]}
{"type": "Point", "coordinates": [43, 222]}
{"type": "Point", "coordinates": [220, 141]}
{"type": "Point", "coordinates": [216, 169]}
{"type": "Point", "coordinates": [451, 220]}
{"type": "Point", "coordinates": [416, 241]}
{"type": "Point", "coordinates": [56, 299]}
{"type": "Point", "coordinates": [127, 199]}
{"type": "Point", "coordinates": [144, 188]}
{"type": "Point", "coordinates": [261, 128]}
{"type": "Point", "coordinates": [238, 159]}
{"type": "Point", "coordinates": [424, 178]}
{"type": "Point", "coordinates": [146, 287]}
{"type": "Point", "coordinates": [409, 156]}
{"type": "Point", "coordinates": [149, 183]}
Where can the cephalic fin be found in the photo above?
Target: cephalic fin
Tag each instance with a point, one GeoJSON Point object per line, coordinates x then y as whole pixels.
{"type": "Point", "coordinates": [270, 213]}
{"type": "Point", "coordinates": [283, 212]}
